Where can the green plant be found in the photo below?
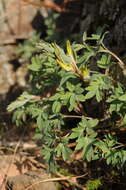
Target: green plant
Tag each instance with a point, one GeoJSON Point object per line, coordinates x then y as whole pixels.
{"type": "Point", "coordinates": [75, 97]}
{"type": "Point", "coordinates": [27, 48]}
{"type": "Point", "coordinates": [51, 29]}
{"type": "Point", "coordinates": [93, 184]}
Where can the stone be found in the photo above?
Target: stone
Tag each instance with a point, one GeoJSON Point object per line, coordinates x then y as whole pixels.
{"type": "Point", "coordinates": [7, 77]}
{"type": "Point", "coordinates": [26, 180]}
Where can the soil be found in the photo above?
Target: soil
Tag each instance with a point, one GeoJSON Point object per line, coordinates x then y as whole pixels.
{"type": "Point", "coordinates": [19, 172]}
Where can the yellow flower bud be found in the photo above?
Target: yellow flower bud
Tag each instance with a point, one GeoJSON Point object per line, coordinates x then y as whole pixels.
{"type": "Point", "coordinates": [64, 66]}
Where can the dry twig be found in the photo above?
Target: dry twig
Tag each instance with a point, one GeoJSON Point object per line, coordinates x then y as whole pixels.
{"type": "Point", "coordinates": [68, 178]}
{"type": "Point", "coordinates": [46, 4]}
{"type": "Point", "coordinates": [13, 158]}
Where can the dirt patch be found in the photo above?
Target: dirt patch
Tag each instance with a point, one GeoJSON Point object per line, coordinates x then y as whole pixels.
{"type": "Point", "coordinates": [8, 167]}
{"type": "Point", "coordinates": [19, 172]}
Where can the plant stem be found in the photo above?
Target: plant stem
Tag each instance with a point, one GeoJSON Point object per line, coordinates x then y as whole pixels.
{"type": "Point", "coordinates": [80, 116]}
{"type": "Point", "coordinates": [119, 146]}
{"type": "Point", "coordinates": [76, 116]}
{"type": "Point", "coordinates": [72, 116]}
{"type": "Point", "coordinates": [120, 62]}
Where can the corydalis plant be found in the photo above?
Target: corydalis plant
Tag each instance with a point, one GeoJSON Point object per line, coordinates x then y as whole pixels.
{"type": "Point", "coordinates": [73, 97]}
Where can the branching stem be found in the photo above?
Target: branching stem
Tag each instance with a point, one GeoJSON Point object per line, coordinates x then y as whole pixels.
{"type": "Point", "coordinates": [120, 62]}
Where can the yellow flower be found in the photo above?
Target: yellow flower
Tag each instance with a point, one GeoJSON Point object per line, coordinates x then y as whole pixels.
{"type": "Point", "coordinates": [69, 49]}
{"type": "Point", "coordinates": [85, 72]}
{"type": "Point", "coordinates": [64, 66]}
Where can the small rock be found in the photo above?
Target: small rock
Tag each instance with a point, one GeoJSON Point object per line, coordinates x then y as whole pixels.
{"type": "Point", "coordinates": [23, 181]}
{"type": "Point", "coordinates": [21, 74]}
{"type": "Point", "coordinates": [7, 77]}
